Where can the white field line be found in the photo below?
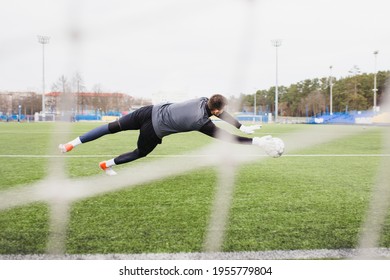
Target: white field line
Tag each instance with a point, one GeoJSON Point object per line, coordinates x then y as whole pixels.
{"type": "Point", "coordinates": [380, 253]}
{"type": "Point", "coordinates": [194, 156]}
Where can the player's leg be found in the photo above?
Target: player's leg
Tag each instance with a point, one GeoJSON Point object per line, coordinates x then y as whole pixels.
{"type": "Point", "coordinates": [147, 142]}
{"type": "Point", "coordinates": [143, 149]}
{"type": "Point", "coordinates": [132, 121]}
{"type": "Point", "coordinates": [91, 135]}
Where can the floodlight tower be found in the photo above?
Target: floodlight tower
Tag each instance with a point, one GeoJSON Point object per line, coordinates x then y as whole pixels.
{"type": "Point", "coordinates": [331, 91]}
{"type": "Point", "coordinates": [43, 40]}
{"type": "Point", "coordinates": [375, 73]}
{"type": "Point", "coordinates": [254, 109]}
{"type": "Point", "coordinates": [276, 43]}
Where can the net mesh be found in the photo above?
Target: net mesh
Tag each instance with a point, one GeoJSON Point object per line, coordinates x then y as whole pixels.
{"type": "Point", "coordinates": [59, 191]}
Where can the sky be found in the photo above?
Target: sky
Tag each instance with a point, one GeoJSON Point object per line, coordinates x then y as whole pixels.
{"type": "Point", "coordinates": [191, 47]}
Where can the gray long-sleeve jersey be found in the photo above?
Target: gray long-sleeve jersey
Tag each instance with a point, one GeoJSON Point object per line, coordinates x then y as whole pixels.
{"type": "Point", "coordinates": [191, 115]}
{"type": "Point", "coordinates": [185, 116]}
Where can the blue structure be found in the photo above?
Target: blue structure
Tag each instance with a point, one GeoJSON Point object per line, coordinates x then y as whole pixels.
{"type": "Point", "coordinates": [87, 118]}
{"type": "Point", "coordinates": [96, 117]}
{"type": "Point", "coordinates": [7, 118]}
{"type": "Point", "coordinates": [251, 117]}
{"type": "Point", "coordinates": [339, 118]}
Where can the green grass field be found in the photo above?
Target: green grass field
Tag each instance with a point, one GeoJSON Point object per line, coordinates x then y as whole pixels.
{"type": "Point", "coordinates": [314, 198]}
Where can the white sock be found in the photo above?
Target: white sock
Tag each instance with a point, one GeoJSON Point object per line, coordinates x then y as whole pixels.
{"type": "Point", "coordinates": [110, 162]}
{"type": "Point", "coordinates": [75, 142]}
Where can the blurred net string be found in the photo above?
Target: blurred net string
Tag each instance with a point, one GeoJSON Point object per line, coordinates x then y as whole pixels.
{"type": "Point", "coordinates": [227, 167]}
{"type": "Point", "coordinates": [379, 206]}
{"type": "Point", "coordinates": [59, 207]}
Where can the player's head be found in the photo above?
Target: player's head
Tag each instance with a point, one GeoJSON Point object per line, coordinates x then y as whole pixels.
{"type": "Point", "coordinates": [217, 104]}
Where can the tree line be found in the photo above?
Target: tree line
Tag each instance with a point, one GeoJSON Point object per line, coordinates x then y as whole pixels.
{"type": "Point", "coordinates": [312, 96]}
{"type": "Point", "coordinates": [306, 98]}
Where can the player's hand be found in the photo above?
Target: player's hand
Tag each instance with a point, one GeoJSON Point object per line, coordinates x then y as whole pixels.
{"type": "Point", "coordinates": [249, 129]}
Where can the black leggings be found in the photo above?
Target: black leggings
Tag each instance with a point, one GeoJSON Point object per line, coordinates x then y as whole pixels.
{"type": "Point", "coordinates": [141, 120]}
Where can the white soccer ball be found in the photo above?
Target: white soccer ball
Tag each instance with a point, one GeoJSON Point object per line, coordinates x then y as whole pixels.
{"type": "Point", "coordinates": [274, 147]}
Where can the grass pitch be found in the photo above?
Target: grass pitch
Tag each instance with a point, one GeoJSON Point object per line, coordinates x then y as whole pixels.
{"type": "Point", "coordinates": [315, 198]}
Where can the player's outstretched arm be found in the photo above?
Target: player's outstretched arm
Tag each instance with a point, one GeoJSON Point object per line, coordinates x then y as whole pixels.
{"type": "Point", "coordinates": [234, 122]}
{"type": "Point", "coordinates": [212, 130]}
{"type": "Point", "coordinates": [274, 147]}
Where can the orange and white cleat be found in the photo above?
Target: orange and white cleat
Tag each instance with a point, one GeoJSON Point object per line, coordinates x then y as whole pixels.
{"type": "Point", "coordinates": [64, 148]}
{"type": "Point", "coordinates": [108, 169]}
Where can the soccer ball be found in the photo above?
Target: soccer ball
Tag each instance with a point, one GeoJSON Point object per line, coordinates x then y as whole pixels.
{"type": "Point", "coordinates": [274, 147]}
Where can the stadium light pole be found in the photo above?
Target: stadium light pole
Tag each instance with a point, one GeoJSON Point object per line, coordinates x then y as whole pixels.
{"type": "Point", "coordinates": [276, 43]}
{"type": "Point", "coordinates": [254, 109]}
{"type": "Point", "coordinates": [375, 73]}
{"type": "Point", "coordinates": [43, 40]}
{"type": "Point", "coordinates": [331, 91]}
{"type": "Point", "coordinates": [19, 112]}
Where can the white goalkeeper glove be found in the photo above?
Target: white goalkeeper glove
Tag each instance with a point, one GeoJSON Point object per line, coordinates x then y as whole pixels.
{"type": "Point", "coordinates": [249, 129]}
{"type": "Point", "coordinates": [274, 147]}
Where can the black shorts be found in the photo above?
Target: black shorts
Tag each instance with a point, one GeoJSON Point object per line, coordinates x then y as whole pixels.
{"type": "Point", "coordinates": [141, 119]}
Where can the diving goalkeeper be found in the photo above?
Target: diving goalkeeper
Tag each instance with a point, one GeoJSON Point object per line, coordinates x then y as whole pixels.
{"type": "Point", "coordinates": [154, 122]}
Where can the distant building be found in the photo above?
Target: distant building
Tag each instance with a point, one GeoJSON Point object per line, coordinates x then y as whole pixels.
{"type": "Point", "coordinates": [74, 103]}
{"type": "Point", "coordinates": [88, 102]}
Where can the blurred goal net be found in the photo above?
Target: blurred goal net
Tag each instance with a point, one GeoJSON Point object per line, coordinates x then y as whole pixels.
{"type": "Point", "coordinates": [59, 191]}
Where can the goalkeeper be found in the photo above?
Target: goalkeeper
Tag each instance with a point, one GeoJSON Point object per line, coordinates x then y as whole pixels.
{"type": "Point", "coordinates": [157, 121]}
